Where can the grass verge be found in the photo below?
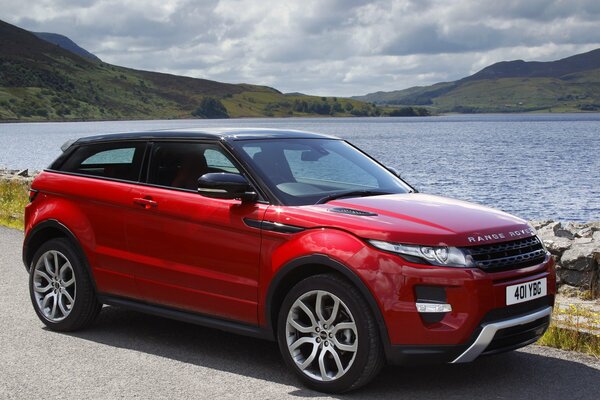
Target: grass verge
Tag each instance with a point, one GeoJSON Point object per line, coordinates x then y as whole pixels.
{"type": "Point", "coordinates": [574, 328]}
{"type": "Point", "coordinates": [14, 196]}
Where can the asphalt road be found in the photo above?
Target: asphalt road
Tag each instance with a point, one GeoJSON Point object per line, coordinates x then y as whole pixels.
{"type": "Point", "coordinates": [130, 355]}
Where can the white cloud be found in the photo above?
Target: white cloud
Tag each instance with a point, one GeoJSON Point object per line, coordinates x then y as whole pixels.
{"type": "Point", "coordinates": [329, 47]}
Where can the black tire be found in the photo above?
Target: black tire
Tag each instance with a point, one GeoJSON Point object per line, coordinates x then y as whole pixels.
{"type": "Point", "coordinates": [368, 358]}
{"type": "Point", "coordinates": [85, 306]}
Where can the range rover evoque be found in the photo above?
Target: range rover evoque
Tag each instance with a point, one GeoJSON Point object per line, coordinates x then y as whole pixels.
{"type": "Point", "coordinates": [284, 235]}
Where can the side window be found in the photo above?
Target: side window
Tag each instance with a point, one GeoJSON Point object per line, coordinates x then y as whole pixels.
{"type": "Point", "coordinates": [217, 160]}
{"type": "Point", "coordinates": [179, 165]}
{"type": "Point", "coordinates": [114, 156]}
{"type": "Point", "coordinates": [109, 160]}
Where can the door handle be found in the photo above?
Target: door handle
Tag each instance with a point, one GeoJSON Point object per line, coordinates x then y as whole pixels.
{"type": "Point", "coordinates": [145, 202]}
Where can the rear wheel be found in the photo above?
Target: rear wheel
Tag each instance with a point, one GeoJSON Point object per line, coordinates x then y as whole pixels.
{"type": "Point", "coordinates": [328, 335]}
{"type": "Point", "coordinates": [61, 291]}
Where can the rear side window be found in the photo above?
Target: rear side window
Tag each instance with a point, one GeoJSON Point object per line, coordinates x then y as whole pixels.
{"type": "Point", "coordinates": [109, 160]}
{"type": "Point", "coordinates": [112, 156]}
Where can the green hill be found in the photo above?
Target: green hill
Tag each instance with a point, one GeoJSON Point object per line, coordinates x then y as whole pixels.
{"type": "Point", "coordinates": [568, 85]}
{"type": "Point", "coordinates": [44, 81]}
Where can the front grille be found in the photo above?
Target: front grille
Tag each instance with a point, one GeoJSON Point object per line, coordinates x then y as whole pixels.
{"type": "Point", "coordinates": [505, 256]}
{"type": "Point", "coordinates": [517, 336]}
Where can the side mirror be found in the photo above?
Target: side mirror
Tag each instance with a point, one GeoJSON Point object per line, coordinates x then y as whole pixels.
{"type": "Point", "coordinates": [224, 185]}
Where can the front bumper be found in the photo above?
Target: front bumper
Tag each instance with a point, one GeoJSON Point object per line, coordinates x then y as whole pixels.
{"type": "Point", "coordinates": [490, 338]}
{"type": "Point", "coordinates": [527, 329]}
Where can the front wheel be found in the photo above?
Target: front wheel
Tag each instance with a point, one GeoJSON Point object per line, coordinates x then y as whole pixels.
{"type": "Point", "coordinates": [328, 335]}
{"type": "Point", "coordinates": [61, 291]}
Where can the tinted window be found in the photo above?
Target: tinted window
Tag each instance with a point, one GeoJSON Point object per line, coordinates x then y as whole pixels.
{"type": "Point", "coordinates": [180, 165]}
{"type": "Point", "coordinates": [109, 160]}
{"type": "Point", "coordinates": [217, 160]}
{"type": "Point", "coordinates": [113, 156]}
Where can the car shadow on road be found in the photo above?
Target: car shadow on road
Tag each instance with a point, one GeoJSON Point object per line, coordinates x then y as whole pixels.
{"type": "Point", "coordinates": [512, 375]}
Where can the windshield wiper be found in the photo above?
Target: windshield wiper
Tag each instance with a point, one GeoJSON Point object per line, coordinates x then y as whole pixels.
{"type": "Point", "coordinates": [351, 193]}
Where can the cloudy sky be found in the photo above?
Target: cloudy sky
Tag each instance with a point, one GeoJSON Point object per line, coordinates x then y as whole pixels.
{"type": "Point", "coordinates": [323, 47]}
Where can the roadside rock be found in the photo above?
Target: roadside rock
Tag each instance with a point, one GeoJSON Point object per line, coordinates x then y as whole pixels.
{"type": "Point", "coordinates": [563, 232]}
{"type": "Point", "coordinates": [554, 226]}
{"type": "Point", "coordinates": [580, 257]}
{"type": "Point", "coordinates": [595, 225]}
{"type": "Point", "coordinates": [20, 175]}
{"type": "Point", "coordinates": [586, 232]}
{"type": "Point", "coordinates": [576, 249]}
{"type": "Point", "coordinates": [582, 280]}
{"type": "Point", "coordinates": [557, 245]}
{"type": "Point", "coordinates": [583, 240]}
{"type": "Point", "coordinates": [547, 231]}
{"type": "Point", "coordinates": [537, 225]}
{"type": "Point", "coordinates": [575, 226]}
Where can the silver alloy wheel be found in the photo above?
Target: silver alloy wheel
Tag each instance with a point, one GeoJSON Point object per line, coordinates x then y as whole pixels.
{"type": "Point", "coordinates": [54, 285]}
{"type": "Point", "coordinates": [321, 335]}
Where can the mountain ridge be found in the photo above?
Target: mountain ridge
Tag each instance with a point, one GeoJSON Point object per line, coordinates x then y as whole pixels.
{"type": "Point", "coordinates": [44, 81]}
{"type": "Point", "coordinates": [540, 69]}
{"type": "Point", "coordinates": [67, 44]}
{"type": "Point", "coordinates": [569, 84]}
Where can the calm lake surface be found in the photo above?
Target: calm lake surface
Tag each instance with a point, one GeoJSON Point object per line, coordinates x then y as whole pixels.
{"type": "Point", "coordinates": [535, 166]}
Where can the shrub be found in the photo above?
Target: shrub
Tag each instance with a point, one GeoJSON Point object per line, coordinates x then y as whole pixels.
{"type": "Point", "coordinates": [210, 108]}
{"type": "Point", "coordinates": [409, 112]}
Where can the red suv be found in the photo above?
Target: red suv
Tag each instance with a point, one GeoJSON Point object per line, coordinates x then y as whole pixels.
{"type": "Point", "coordinates": [284, 235]}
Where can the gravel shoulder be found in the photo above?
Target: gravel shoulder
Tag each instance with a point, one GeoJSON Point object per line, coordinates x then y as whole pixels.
{"type": "Point", "coordinates": [128, 355]}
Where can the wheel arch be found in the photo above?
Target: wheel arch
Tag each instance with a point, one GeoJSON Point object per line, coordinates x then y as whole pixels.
{"type": "Point", "coordinates": [300, 268]}
{"type": "Point", "coordinates": [48, 230]}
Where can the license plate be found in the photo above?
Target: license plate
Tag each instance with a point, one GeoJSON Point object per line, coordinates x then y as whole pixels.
{"type": "Point", "coordinates": [525, 291]}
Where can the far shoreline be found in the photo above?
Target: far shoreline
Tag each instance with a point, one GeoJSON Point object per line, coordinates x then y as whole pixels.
{"type": "Point", "coordinates": [348, 117]}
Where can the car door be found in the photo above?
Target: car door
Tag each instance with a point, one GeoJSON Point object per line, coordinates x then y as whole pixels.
{"type": "Point", "coordinates": [102, 176]}
{"type": "Point", "coordinates": [192, 252]}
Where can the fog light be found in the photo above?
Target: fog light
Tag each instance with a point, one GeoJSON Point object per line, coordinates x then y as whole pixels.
{"type": "Point", "coordinates": [433, 307]}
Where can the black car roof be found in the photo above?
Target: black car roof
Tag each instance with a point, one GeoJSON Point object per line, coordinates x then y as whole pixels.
{"type": "Point", "coordinates": [208, 133]}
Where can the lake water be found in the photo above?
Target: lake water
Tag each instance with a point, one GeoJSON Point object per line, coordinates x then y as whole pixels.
{"type": "Point", "coordinates": [535, 166]}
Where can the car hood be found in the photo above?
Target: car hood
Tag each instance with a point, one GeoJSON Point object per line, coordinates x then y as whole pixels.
{"type": "Point", "coordinates": [412, 218]}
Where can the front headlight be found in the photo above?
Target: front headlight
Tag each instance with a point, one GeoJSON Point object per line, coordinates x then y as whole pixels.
{"type": "Point", "coordinates": [435, 255]}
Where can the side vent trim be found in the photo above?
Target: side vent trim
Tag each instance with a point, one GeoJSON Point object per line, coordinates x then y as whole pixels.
{"type": "Point", "coordinates": [352, 211]}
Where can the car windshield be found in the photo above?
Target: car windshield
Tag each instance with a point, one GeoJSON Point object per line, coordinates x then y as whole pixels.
{"type": "Point", "coordinates": [310, 171]}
